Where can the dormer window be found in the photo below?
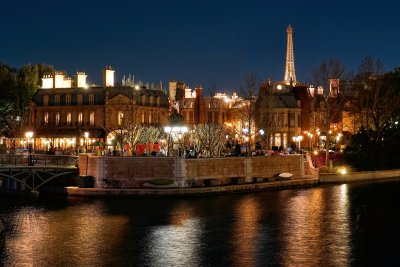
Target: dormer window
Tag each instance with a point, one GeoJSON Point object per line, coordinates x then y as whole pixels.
{"type": "Point", "coordinates": [91, 99]}
{"type": "Point", "coordinates": [68, 100]}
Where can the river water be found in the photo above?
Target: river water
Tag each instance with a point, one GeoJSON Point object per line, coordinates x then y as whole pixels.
{"type": "Point", "coordinates": [332, 225]}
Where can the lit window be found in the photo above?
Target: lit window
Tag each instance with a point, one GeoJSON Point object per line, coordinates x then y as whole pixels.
{"type": "Point", "coordinates": [91, 118]}
{"type": "Point", "coordinates": [151, 100]}
{"type": "Point", "coordinates": [142, 117]}
{"type": "Point", "coordinates": [57, 118]}
{"type": "Point", "coordinates": [149, 117]}
{"type": "Point", "coordinates": [69, 118]}
{"type": "Point", "coordinates": [80, 118]}
{"type": "Point", "coordinates": [120, 118]}
{"type": "Point", "coordinates": [143, 100]}
{"type": "Point", "coordinates": [46, 118]}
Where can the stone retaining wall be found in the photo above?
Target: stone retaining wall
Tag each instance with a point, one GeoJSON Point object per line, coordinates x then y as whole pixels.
{"type": "Point", "coordinates": [139, 172]}
{"type": "Point", "coordinates": [359, 176]}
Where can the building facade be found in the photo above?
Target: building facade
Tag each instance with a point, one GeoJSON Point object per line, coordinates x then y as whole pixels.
{"type": "Point", "coordinates": [59, 117]}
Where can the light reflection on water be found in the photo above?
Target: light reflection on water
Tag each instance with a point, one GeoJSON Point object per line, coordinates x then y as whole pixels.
{"type": "Point", "coordinates": [321, 226]}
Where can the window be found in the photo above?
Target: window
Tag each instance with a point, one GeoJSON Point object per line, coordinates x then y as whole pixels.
{"type": "Point", "coordinates": [142, 117]}
{"type": "Point", "coordinates": [69, 118]}
{"type": "Point", "coordinates": [291, 119]}
{"type": "Point", "coordinates": [285, 121]}
{"type": "Point", "coordinates": [151, 98]}
{"type": "Point", "coordinates": [143, 100]}
{"type": "Point", "coordinates": [191, 104]}
{"type": "Point", "coordinates": [80, 118]}
{"type": "Point", "coordinates": [149, 117]}
{"type": "Point", "coordinates": [68, 100]}
{"type": "Point", "coordinates": [278, 141]}
{"type": "Point", "coordinates": [79, 99]}
{"type": "Point", "coordinates": [91, 118]}
{"type": "Point", "coordinates": [45, 100]}
{"type": "Point", "coordinates": [57, 100]}
{"type": "Point", "coordinates": [91, 99]}
{"type": "Point", "coordinates": [46, 118]}
{"type": "Point", "coordinates": [120, 118]}
{"type": "Point", "coordinates": [158, 101]}
{"type": "Point", "coordinates": [57, 118]}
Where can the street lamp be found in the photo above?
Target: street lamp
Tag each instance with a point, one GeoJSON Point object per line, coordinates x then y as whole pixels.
{"type": "Point", "coordinates": [175, 131]}
{"type": "Point", "coordinates": [86, 141]}
{"type": "Point", "coordinates": [298, 139]}
{"type": "Point", "coordinates": [29, 136]}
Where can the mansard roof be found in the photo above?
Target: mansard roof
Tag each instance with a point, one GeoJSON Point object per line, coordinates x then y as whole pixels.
{"type": "Point", "coordinates": [100, 94]}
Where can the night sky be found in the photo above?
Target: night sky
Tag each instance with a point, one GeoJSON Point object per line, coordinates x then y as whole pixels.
{"type": "Point", "coordinates": [198, 42]}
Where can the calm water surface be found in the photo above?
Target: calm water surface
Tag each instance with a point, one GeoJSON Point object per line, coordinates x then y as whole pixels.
{"type": "Point", "coordinates": [339, 225]}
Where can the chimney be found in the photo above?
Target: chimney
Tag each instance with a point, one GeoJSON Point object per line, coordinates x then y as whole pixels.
{"type": "Point", "coordinates": [108, 77]}
{"type": "Point", "coordinates": [80, 81]}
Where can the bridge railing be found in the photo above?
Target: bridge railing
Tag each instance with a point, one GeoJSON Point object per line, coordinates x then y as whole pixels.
{"type": "Point", "coordinates": [39, 160]}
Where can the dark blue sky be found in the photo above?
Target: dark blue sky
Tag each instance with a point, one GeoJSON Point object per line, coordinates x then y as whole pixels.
{"type": "Point", "coordinates": [206, 42]}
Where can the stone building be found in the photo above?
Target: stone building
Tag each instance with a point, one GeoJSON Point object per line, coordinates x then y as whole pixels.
{"type": "Point", "coordinates": [278, 113]}
{"type": "Point", "coordinates": [59, 117]}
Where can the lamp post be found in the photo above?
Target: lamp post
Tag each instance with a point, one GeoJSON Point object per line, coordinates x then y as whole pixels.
{"type": "Point", "coordinates": [175, 131]}
{"type": "Point", "coordinates": [86, 134]}
{"type": "Point", "coordinates": [29, 136]}
{"type": "Point", "coordinates": [298, 139]}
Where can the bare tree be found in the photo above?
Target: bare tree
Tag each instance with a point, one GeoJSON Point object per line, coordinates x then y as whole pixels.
{"type": "Point", "coordinates": [210, 137]}
{"type": "Point", "coordinates": [367, 80]}
{"type": "Point", "coordinates": [247, 108]}
{"type": "Point", "coordinates": [328, 105]}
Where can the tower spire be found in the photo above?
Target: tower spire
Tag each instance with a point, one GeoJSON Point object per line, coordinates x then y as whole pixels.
{"type": "Point", "coordinates": [290, 72]}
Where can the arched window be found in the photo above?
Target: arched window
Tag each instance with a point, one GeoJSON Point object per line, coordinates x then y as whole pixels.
{"type": "Point", "coordinates": [91, 99]}
{"type": "Point", "coordinates": [69, 118]}
{"type": "Point", "coordinates": [80, 118]}
{"type": "Point", "coordinates": [68, 100]}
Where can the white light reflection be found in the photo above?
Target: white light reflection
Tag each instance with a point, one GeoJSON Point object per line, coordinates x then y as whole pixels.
{"type": "Point", "coordinates": [247, 228]}
{"type": "Point", "coordinates": [178, 242]}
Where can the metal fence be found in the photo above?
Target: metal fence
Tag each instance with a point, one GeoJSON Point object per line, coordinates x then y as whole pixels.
{"type": "Point", "coordinates": [39, 160]}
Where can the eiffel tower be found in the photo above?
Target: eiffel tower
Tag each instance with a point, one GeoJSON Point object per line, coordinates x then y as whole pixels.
{"type": "Point", "coordinates": [290, 72]}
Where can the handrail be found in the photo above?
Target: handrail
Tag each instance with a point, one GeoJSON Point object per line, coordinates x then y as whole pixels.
{"type": "Point", "coordinates": [38, 159]}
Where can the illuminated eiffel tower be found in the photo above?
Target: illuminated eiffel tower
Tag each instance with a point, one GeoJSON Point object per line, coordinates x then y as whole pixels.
{"type": "Point", "coordinates": [290, 72]}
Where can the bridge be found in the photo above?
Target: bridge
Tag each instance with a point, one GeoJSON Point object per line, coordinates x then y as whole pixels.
{"type": "Point", "coordinates": [45, 169]}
